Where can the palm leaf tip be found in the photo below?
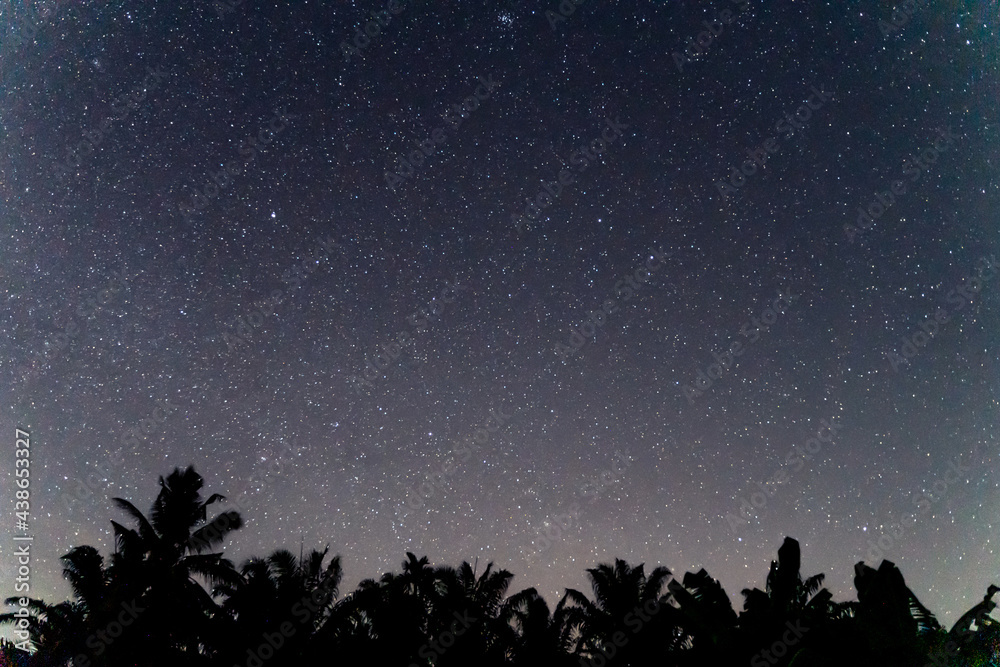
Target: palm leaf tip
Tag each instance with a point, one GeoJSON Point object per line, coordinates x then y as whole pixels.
{"type": "Point", "coordinates": [215, 532]}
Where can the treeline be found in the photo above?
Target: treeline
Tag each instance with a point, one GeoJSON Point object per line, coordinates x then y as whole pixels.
{"type": "Point", "coordinates": [167, 596]}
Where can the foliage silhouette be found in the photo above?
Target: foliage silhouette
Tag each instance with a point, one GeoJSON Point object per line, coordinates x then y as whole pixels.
{"type": "Point", "coordinates": [185, 603]}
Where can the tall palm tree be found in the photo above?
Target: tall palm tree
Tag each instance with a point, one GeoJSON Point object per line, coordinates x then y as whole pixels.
{"type": "Point", "coordinates": [629, 621]}
{"type": "Point", "coordinates": [96, 594]}
{"type": "Point", "coordinates": [69, 629]}
{"type": "Point", "coordinates": [420, 579]}
{"type": "Point", "coordinates": [787, 595]}
{"type": "Point", "coordinates": [164, 554]}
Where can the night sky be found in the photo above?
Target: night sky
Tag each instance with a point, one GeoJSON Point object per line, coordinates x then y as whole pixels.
{"type": "Point", "coordinates": [506, 281]}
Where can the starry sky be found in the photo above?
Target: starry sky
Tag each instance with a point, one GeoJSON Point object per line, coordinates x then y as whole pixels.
{"type": "Point", "coordinates": [533, 283]}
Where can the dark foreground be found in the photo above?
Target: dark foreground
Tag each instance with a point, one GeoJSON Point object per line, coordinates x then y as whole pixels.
{"type": "Point", "coordinates": [168, 596]}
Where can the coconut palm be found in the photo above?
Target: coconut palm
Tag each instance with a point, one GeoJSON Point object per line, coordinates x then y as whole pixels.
{"type": "Point", "coordinates": [96, 596]}
{"type": "Point", "coordinates": [390, 621]}
{"type": "Point", "coordinates": [534, 634]}
{"type": "Point", "coordinates": [276, 590]}
{"type": "Point", "coordinates": [70, 629]}
{"type": "Point", "coordinates": [160, 566]}
{"type": "Point", "coordinates": [469, 611]}
{"type": "Point", "coordinates": [163, 554]}
{"type": "Point", "coordinates": [629, 621]}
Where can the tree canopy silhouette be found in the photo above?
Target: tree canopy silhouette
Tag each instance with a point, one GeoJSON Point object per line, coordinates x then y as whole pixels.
{"type": "Point", "coordinates": [168, 596]}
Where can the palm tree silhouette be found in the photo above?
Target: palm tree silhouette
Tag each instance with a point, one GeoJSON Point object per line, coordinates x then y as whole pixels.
{"type": "Point", "coordinates": [789, 603]}
{"type": "Point", "coordinates": [629, 621]}
{"type": "Point", "coordinates": [163, 555]}
{"type": "Point", "coordinates": [101, 595]}
{"type": "Point", "coordinates": [787, 595]}
{"type": "Point", "coordinates": [470, 609]}
{"type": "Point", "coordinates": [977, 614]}
{"type": "Point", "coordinates": [275, 590]}
{"type": "Point", "coordinates": [438, 616]}
{"type": "Point", "coordinates": [534, 635]}
{"type": "Point", "coordinates": [392, 620]}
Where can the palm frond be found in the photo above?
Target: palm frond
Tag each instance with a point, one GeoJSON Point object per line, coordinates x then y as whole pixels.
{"type": "Point", "coordinates": [211, 535]}
{"type": "Point", "coordinates": [146, 531]}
